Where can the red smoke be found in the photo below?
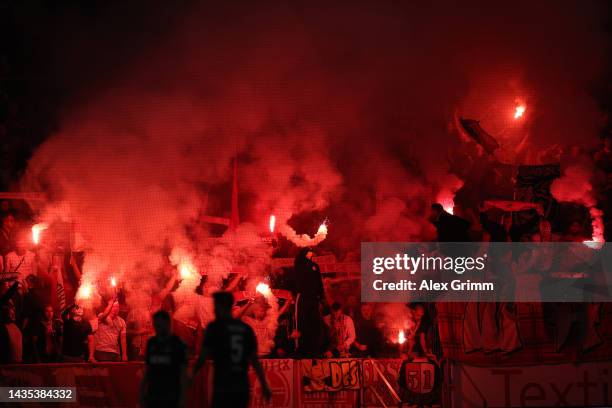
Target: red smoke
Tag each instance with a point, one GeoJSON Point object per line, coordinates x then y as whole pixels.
{"type": "Point", "coordinates": [336, 109]}
{"type": "Point", "coordinates": [575, 186]}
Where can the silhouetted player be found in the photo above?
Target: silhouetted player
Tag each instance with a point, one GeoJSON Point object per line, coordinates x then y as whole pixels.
{"type": "Point", "coordinates": [165, 377]}
{"type": "Point", "coordinates": [232, 346]}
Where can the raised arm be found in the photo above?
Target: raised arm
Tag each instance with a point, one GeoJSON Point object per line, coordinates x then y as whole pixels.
{"type": "Point", "coordinates": [109, 306]}
{"type": "Point", "coordinates": [233, 283]}
{"type": "Point", "coordinates": [166, 290]}
{"type": "Point", "coordinates": [241, 310]}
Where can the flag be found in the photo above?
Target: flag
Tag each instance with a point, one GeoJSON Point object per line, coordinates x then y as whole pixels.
{"type": "Point", "coordinates": [475, 131]}
{"type": "Point", "coordinates": [533, 185]}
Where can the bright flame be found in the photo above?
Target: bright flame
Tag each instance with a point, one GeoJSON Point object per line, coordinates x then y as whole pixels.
{"type": "Point", "coordinates": [322, 229]}
{"type": "Point", "coordinates": [187, 270]}
{"type": "Point", "coordinates": [401, 337]}
{"type": "Point", "coordinates": [84, 291]}
{"type": "Point", "coordinates": [264, 289]}
{"type": "Point", "coordinates": [519, 111]}
{"type": "Point", "coordinates": [36, 229]}
{"type": "Point", "coordinates": [113, 282]}
{"type": "Point", "coordinates": [272, 223]}
{"type": "Point", "coordinates": [447, 202]}
{"type": "Point", "coordinates": [597, 238]}
{"type": "Point", "coordinates": [446, 198]}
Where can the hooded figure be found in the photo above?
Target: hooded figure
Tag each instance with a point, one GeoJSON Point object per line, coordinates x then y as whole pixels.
{"type": "Point", "coordinates": [308, 286]}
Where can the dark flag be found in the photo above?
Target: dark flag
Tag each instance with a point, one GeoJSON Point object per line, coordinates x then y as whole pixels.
{"type": "Point", "coordinates": [475, 131]}
{"type": "Point", "coordinates": [533, 184]}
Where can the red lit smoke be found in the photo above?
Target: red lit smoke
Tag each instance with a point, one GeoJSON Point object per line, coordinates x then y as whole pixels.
{"type": "Point", "coordinates": [336, 109]}
{"type": "Point", "coordinates": [575, 186]}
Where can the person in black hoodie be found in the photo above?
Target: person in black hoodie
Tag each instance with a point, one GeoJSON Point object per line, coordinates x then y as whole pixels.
{"type": "Point", "coordinates": [308, 289]}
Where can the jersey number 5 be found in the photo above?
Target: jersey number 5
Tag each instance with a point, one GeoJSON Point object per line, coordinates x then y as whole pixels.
{"type": "Point", "coordinates": [237, 348]}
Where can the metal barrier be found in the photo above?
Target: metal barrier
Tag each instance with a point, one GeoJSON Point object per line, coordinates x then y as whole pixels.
{"type": "Point", "coordinates": [388, 386]}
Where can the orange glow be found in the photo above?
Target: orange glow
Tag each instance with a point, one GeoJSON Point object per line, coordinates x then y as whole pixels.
{"type": "Point", "coordinates": [264, 289]}
{"type": "Point", "coordinates": [272, 223]}
{"type": "Point", "coordinates": [401, 337]}
{"type": "Point", "coordinates": [519, 111]}
{"type": "Point", "coordinates": [448, 203]}
{"type": "Point", "coordinates": [84, 291]}
{"type": "Point", "coordinates": [187, 270]}
{"type": "Point", "coordinates": [36, 229]}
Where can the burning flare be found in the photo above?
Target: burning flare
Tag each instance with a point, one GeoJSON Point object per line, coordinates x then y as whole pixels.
{"type": "Point", "coordinates": [597, 238]}
{"type": "Point", "coordinates": [519, 111]}
{"type": "Point", "coordinates": [113, 282]}
{"type": "Point", "coordinates": [272, 223]}
{"type": "Point", "coordinates": [264, 289]}
{"type": "Point", "coordinates": [447, 199]}
{"type": "Point", "coordinates": [189, 275]}
{"type": "Point", "coordinates": [597, 225]}
{"type": "Point", "coordinates": [85, 291]}
{"type": "Point", "coordinates": [187, 270]}
{"type": "Point", "coordinates": [448, 206]}
{"type": "Point", "coordinates": [575, 187]}
{"type": "Point", "coordinates": [36, 229]}
{"type": "Point", "coordinates": [401, 337]}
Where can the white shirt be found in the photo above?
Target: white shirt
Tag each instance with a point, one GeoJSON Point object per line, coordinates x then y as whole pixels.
{"type": "Point", "coordinates": [265, 338]}
{"type": "Point", "coordinates": [108, 333]}
{"type": "Point", "coordinates": [20, 266]}
{"type": "Point", "coordinates": [192, 309]}
{"type": "Point", "coordinates": [343, 328]}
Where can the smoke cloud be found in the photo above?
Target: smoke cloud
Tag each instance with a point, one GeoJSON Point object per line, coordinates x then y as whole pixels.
{"type": "Point", "coordinates": [343, 110]}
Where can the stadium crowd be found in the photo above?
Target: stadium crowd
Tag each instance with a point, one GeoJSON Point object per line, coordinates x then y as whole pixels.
{"type": "Point", "coordinates": [40, 322]}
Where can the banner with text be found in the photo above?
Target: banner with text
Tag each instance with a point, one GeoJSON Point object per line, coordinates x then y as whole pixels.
{"type": "Point", "coordinates": [559, 385]}
{"type": "Point", "coordinates": [330, 375]}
